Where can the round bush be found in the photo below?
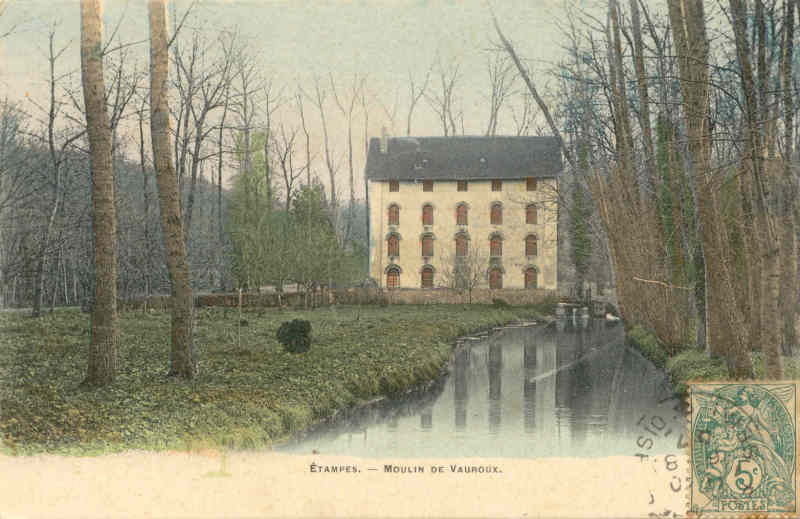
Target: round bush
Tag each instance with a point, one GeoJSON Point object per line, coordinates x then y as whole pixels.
{"type": "Point", "coordinates": [295, 335]}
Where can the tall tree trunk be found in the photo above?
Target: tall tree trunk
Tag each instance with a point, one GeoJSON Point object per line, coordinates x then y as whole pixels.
{"type": "Point", "coordinates": [182, 358]}
{"type": "Point", "coordinates": [725, 329]}
{"type": "Point", "coordinates": [105, 327]}
{"type": "Point", "coordinates": [753, 160]}
{"type": "Point", "coordinates": [788, 247]}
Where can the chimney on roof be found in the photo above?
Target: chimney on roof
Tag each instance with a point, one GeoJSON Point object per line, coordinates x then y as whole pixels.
{"type": "Point", "coordinates": [384, 140]}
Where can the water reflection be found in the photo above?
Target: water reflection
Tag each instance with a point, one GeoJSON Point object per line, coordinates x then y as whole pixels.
{"type": "Point", "coordinates": [582, 392]}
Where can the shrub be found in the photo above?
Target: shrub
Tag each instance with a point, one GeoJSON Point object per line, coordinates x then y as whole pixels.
{"type": "Point", "coordinates": [648, 345]}
{"type": "Point", "coordinates": [295, 335]}
{"type": "Point", "coordinates": [499, 303]}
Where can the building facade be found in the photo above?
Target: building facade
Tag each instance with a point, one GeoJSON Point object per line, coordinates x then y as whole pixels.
{"type": "Point", "coordinates": [436, 201]}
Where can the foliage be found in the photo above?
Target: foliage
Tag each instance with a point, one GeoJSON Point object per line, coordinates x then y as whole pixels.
{"type": "Point", "coordinates": [580, 238]}
{"type": "Point", "coordinates": [647, 343]}
{"type": "Point", "coordinates": [500, 303]}
{"type": "Point", "coordinates": [243, 397]}
{"type": "Point", "coordinates": [295, 335]}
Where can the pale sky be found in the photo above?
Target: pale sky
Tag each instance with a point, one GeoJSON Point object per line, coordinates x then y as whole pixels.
{"type": "Point", "coordinates": [295, 40]}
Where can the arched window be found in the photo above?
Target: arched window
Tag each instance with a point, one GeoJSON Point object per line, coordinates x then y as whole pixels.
{"type": "Point", "coordinates": [531, 245]}
{"type": "Point", "coordinates": [393, 278]}
{"type": "Point", "coordinates": [461, 214]}
{"type": "Point", "coordinates": [394, 214]}
{"type": "Point", "coordinates": [531, 278]}
{"type": "Point", "coordinates": [462, 245]}
{"type": "Point", "coordinates": [495, 279]}
{"type": "Point", "coordinates": [427, 246]}
{"type": "Point", "coordinates": [427, 214]}
{"type": "Point", "coordinates": [427, 277]}
{"type": "Point", "coordinates": [530, 214]}
{"type": "Point", "coordinates": [393, 245]}
{"type": "Point", "coordinates": [496, 214]}
{"type": "Point", "coordinates": [495, 246]}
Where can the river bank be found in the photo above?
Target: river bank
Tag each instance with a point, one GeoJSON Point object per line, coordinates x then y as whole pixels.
{"type": "Point", "coordinates": [694, 365]}
{"type": "Point", "coordinates": [249, 392]}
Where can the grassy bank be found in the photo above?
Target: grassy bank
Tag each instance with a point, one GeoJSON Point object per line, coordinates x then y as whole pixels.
{"type": "Point", "coordinates": [249, 392]}
{"type": "Point", "coordinates": [692, 364]}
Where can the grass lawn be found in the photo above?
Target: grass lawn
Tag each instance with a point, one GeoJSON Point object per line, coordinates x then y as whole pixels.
{"type": "Point", "coordinates": [247, 395]}
{"type": "Point", "coordinates": [692, 364]}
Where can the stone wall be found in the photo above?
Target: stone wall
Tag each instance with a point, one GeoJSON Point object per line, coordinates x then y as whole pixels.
{"type": "Point", "coordinates": [479, 295]}
{"type": "Point", "coordinates": [354, 296]}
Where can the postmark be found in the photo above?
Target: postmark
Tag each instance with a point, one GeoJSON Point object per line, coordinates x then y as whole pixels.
{"type": "Point", "coordinates": [743, 449]}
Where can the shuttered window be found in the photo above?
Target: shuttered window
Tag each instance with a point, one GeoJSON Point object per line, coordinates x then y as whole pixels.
{"type": "Point", "coordinates": [427, 277]}
{"type": "Point", "coordinates": [495, 279]}
{"type": "Point", "coordinates": [530, 214]}
{"type": "Point", "coordinates": [497, 185]}
{"type": "Point", "coordinates": [461, 214]}
{"type": "Point", "coordinates": [394, 215]}
{"type": "Point", "coordinates": [427, 215]}
{"type": "Point", "coordinates": [427, 246]}
{"type": "Point", "coordinates": [394, 186]}
{"type": "Point", "coordinates": [530, 278]}
{"type": "Point", "coordinates": [496, 214]}
{"type": "Point", "coordinates": [530, 184]}
{"type": "Point", "coordinates": [427, 185]}
{"type": "Point", "coordinates": [531, 245]}
{"type": "Point", "coordinates": [392, 278]}
{"type": "Point", "coordinates": [496, 247]}
{"type": "Point", "coordinates": [461, 245]}
{"type": "Point", "coordinates": [462, 185]}
{"type": "Point", "coordinates": [393, 245]}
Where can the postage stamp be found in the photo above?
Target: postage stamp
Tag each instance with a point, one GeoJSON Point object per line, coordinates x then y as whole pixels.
{"type": "Point", "coordinates": [743, 449]}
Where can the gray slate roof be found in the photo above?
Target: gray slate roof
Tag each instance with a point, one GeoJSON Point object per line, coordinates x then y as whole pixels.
{"type": "Point", "coordinates": [459, 158]}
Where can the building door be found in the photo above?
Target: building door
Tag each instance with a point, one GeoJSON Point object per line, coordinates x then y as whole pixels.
{"type": "Point", "coordinates": [427, 277]}
{"type": "Point", "coordinates": [495, 279]}
{"type": "Point", "coordinates": [530, 278]}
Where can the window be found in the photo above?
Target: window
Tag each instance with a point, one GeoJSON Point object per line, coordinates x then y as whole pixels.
{"type": "Point", "coordinates": [530, 278]}
{"type": "Point", "coordinates": [531, 246]}
{"type": "Point", "coordinates": [393, 245]}
{"type": "Point", "coordinates": [530, 184]}
{"type": "Point", "coordinates": [496, 214]}
{"type": "Point", "coordinates": [427, 185]}
{"type": "Point", "coordinates": [427, 277]}
{"type": "Point", "coordinates": [394, 186]}
{"type": "Point", "coordinates": [427, 246]}
{"type": "Point", "coordinates": [461, 185]}
{"type": "Point", "coordinates": [462, 245]}
{"type": "Point", "coordinates": [393, 278]}
{"type": "Point", "coordinates": [427, 214]}
{"type": "Point", "coordinates": [495, 246]}
{"type": "Point", "coordinates": [495, 279]}
{"type": "Point", "coordinates": [394, 214]}
{"type": "Point", "coordinates": [461, 214]}
{"type": "Point", "coordinates": [497, 185]}
{"type": "Point", "coordinates": [530, 214]}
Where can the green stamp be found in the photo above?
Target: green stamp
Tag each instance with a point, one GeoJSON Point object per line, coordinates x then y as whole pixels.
{"type": "Point", "coordinates": [743, 449]}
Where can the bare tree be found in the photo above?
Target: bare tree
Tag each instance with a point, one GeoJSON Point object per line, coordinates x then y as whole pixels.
{"type": "Point", "coordinates": [416, 91]}
{"type": "Point", "coordinates": [443, 98]}
{"type": "Point", "coordinates": [466, 271]}
{"type": "Point", "coordinates": [105, 327]}
{"type": "Point", "coordinates": [347, 107]}
{"type": "Point", "coordinates": [284, 145]}
{"type": "Point", "coordinates": [58, 156]}
{"type": "Point", "coordinates": [319, 101]}
{"type": "Point", "coordinates": [182, 359]}
{"type": "Point", "coordinates": [501, 80]}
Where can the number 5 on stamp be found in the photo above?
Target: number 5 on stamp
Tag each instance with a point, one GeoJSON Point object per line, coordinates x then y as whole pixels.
{"type": "Point", "coordinates": [743, 449]}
